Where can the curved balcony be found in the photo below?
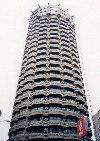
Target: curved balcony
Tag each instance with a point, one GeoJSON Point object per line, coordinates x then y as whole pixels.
{"type": "Point", "coordinates": [40, 62]}
{"type": "Point", "coordinates": [38, 92]}
{"type": "Point", "coordinates": [52, 122]}
{"type": "Point", "coordinates": [11, 130]}
{"type": "Point", "coordinates": [68, 77]}
{"type": "Point", "coordinates": [46, 112]}
{"type": "Point", "coordinates": [55, 68]}
{"type": "Point", "coordinates": [41, 69]}
{"type": "Point", "coordinates": [54, 91]}
{"type": "Point", "coordinates": [41, 56]}
{"type": "Point", "coordinates": [71, 136]}
{"type": "Point", "coordinates": [35, 135]}
{"type": "Point", "coordinates": [28, 80]}
{"type": "Point", "coordinates": [67, 64]}
{"type": "Point", "coordinates": [54, 75]}
{"type": "Point", "coordinates": [77, 71]}
{"type": "Point", "coordinates": [29, 72]}
{"type": "Point", "coordinates": [80, 98]}
{"type": "Point", "coordinates": [79, 90]}
{"type": "Point", "coordinates": [55, 122]}
{"type": "Point", "coordinates": [37, 101]}
{"type": "Point", "coordinates": [25, 95]}
{"type": "Point", "coordinates": [56, 135]}
{"type": "Point", "coordinates": [17, 107]}
{"type": "Point", "coordinates": [17, 126]}
{"type": "Point", "coordinates": [56, 111]}
{"type": "Point", "coordinates": [70, 94]}
{"type": "Point", "coordinates": [82, 107]}
{"type": "Point", "coordinates": [17, 101]}
{"type": "Point", "coordinates": [72, 113]}
{"type": "Point", "coordinates": [38, 112]}
{"type": "Point", "coordinates": [55, 100]}
{"type": "Point", "coordinates": [68, 70]}
{"type": "Point", "coordinates": [45, 135]}
{"type": "Point", "coordinates": [44, 41]}
{"type": "Point", "coordinates": [24, 104]}
{"type": "Point", "coordinates": [36, 123]}
{"type": "Point", "coordinates": [54, 62]}
{"type": "Point", "coordinates": [24, 113]}
{"type": "Point", "coordinates": [55, 50]}
{"type": "Point", "coordinates": [55, 83]}
{"type": "Point", "coordinates": [14, 119]}
{"type": "Point", "coordinates": [40, 76]}
{"type": "Point", "coordinates": [19, 136]}
{"type": "Point", "coordinates": [51, 35]}
{"type": "Point", "coordinates": [67, 53]}
{"type": "Point", "coordinates": [78, 83]}
{"type": "Point", "coordinates": [27, 87]}
{"type": "Point", "coordinates": [64, 85]}
{"type": "Point", "coordinates": [43, 50]}
{"type": "Point", "coordinates": [42, 83]}
{"type": "Point", "coordinates": [54, 56]}
{"type": "Point", "coordinates": [69, 124]}
{"type": "Point", "coordinates": [52, 100]}
{"type": "Point", "coordinates": [16, 116]}
{"type": "Point", "coordinates": [70, 102]}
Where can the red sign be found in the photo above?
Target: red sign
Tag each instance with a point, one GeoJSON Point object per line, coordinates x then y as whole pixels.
{"type": "Point", "coordinates": [81, 128]}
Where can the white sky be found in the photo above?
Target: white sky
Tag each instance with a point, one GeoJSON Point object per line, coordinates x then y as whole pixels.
{"type": "Point", "coordinates": [13, 31]}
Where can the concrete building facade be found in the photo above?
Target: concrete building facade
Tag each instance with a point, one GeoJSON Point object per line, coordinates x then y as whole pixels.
{"type": "Point", "coordinates": [96, 120]}
{"type": "Point", "coordinates": [50, 96]}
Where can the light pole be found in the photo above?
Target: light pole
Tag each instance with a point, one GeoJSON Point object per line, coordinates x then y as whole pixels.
{"type": "Point", "coordinates": [26, 119]}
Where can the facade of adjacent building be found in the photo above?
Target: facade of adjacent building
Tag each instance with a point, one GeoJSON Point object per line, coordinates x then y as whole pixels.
{"type": "Point", "coordinates": [96, 120]}
{"type": "Point", "coordinates": [50, 96]}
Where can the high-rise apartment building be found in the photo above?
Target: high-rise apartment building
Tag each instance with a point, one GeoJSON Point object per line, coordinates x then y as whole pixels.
{"type": "Point", "coordinates": [96, 119]}
{"type": "Point", "coordinates": [50, 97]}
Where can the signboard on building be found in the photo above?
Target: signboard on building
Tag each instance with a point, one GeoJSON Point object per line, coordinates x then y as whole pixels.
{"type": "Point", "coordinates": [81, 127]}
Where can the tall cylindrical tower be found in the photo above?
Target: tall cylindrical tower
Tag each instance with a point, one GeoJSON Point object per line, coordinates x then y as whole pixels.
{"type": "Point", "coordinates": [50, 95]}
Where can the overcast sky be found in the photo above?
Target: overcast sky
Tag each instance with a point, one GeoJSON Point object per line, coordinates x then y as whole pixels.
{"type": "Point", "coordinates": [13, 31]}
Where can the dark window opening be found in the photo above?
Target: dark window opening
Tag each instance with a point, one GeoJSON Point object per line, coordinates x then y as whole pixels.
{"type": "Point", "coordinates": [67, 67]}
{"type": "Point", "coordinates": [41, 48]}
{"type": "Point", "coordinates": [41, 59]}
{"type": "Point", "coordinates": [68, 74]}
{"type": "Point", "coordinates": [39, 88]}
{"type": "Point", "coordinates": [68, 81]}
{"type": "Point", "coordinates": [54, 65]}
{"type": "Point", "coordinates": [54, 53]}
{"type": "Point", "coordinates": [40, 72]}
{"type": "Point", "coordinates": [54, 47]}
{"type": "Point", "coordinates": [55, 59]}
{"type": "Point", "coordinates": [68, 89]}
{"type": "Point", "coordinates": [42, 53]}
{"type": "Point", "coordinates": [54, 87]}
{"type": "Point", "coordinates": [39, 80]}
{"type": "Point", "coordinates": [54, 79]}
{"type": "Point", "coordinates": [55, 71]}
{"type": "Point", "coordinates": [41, 65]}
